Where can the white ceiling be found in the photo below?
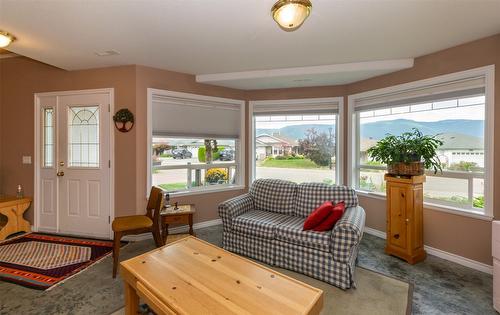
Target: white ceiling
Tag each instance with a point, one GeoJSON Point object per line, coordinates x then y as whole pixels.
{"type": "Point", "coordinates": [221, 36]}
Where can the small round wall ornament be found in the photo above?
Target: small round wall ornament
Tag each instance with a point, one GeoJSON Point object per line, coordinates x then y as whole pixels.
{"type": "Point", "coordinates": [124, 120]}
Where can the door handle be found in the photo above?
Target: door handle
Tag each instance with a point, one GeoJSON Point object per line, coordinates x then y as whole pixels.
{"type": "Point", "coordinates": [60, 173]}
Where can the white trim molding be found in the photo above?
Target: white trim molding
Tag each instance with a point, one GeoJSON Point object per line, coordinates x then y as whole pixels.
{"type": "Point", "coordinates": [297, 105]}
{"type": "Point", "coordinates": [464, 261]}
{"type": "Point", "coordinates": [175, 230]}
{"type": "Point", "coordinates": [455, 82]}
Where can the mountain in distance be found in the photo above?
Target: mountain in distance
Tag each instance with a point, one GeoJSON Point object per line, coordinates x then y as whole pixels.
{"type": "Point", "coordinates": [296, 131]}
{"type": "Point", "coordinates": [378, 130]}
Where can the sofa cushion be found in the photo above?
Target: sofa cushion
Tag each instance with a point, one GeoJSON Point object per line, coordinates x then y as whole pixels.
{"type": "Point", "coordinates": [312, 195]}
{"type": "Point", "coordinates": [291, 231]}
{"type": "Point", "coordinates": [318, 215]}
{"type": "Point", "coordinates": [335, 215]}
{"type": "Point", "coordinates": [258, 223]}
{"type": "Point", "coordinates": [274, 195]}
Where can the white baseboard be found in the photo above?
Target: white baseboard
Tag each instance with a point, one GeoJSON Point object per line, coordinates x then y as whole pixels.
{"type": "Point", "coordinates": [464, 261]}
{"type": "Point", "coordinates": [178, 229]}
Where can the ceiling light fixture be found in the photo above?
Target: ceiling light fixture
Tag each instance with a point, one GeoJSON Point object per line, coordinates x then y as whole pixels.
{"type": "Point", "coordinates": [6, 39]}
{"type": "Point", "coordinates": [290, 14]}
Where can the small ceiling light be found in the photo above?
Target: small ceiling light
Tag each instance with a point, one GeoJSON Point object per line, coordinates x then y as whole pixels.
{"type": "Point", "coordinates": [6, 39]}
{"type": "Point", "coordinates": [290, 14]}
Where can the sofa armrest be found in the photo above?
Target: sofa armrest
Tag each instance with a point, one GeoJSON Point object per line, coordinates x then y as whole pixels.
{"type": "Point", "coordinates": [347, 233]}
{"type": "Point", "coordinates": [234, 207]}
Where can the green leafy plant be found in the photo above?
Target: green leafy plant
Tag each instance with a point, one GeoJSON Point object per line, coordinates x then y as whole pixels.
{"type": "Point", "coordinates": [409, 147]}
{"type": "Point", "coordinates": [463, 166]}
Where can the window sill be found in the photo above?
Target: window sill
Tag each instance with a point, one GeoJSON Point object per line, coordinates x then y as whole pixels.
{"type": "Point", "coordinates": [433, 206]}
{"type": "Point", "coordinates": [206, 191]}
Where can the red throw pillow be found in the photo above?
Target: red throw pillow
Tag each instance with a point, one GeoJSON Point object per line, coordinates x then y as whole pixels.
{"type": "Point", "coordinates": [318, 215]}
{"type": "Point", "coordinates": [328, 223]}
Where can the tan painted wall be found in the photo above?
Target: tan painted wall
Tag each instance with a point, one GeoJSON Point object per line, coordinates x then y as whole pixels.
{"type": "Point", "coordinates": [21, 77]}
{"type": "Point", "coordinates": [456, 234]}
{"type": "Point", "coordinates": [206, 204]}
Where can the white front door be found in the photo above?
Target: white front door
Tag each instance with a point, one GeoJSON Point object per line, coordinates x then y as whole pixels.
{"type": "Point", "coordinates": [75, 164]}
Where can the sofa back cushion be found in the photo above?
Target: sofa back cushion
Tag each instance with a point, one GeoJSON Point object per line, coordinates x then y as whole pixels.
{"type": "Point", "coordinates": [312, 195]}
{"type": "Point", "coordinates": [274, 195]}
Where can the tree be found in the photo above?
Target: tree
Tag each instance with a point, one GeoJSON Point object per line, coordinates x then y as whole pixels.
{"type": "Point", "coordinates": [210, 149]}
{"type": "Point", "coordinates": [318, 147]}
{"type": "Point", "coordinates": [158, 149]}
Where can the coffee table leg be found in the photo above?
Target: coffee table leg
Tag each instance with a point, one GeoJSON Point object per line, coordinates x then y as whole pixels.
{"type": "Point", "coordinates": [131, 300]}
{"type": "Point", "coordinates": [191, 224]}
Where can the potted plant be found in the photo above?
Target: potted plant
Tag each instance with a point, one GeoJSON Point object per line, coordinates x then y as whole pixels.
{"type": "Point", "coordinates": [408, 154]}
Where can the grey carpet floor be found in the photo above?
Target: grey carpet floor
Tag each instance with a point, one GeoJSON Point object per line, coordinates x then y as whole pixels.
{"type": "Point", "coordinates": [440, 286]}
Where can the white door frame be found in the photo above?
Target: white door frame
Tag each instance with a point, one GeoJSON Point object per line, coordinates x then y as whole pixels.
{"type": "Point", "coordinates": [37, 155]}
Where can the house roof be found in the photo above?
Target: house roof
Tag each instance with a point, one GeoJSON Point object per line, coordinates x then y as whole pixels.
{"type": "Point", "coordinates": [458, 141]}
{"type": "Point", "coordinates": [265, 139]}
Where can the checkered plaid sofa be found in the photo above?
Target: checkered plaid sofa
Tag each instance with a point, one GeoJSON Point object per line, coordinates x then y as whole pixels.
{"type": "Point", "coordinates": [266, 224]}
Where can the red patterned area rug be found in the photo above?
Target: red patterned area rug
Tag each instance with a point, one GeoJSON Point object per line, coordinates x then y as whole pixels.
{"type": "Point", "coordinates": [41, 261]}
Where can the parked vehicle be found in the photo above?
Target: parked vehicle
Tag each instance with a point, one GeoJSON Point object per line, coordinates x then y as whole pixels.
{"type": "Point", "coordinates": [226, 155]}
{"type": "Point", "coordinates": [181, 154]}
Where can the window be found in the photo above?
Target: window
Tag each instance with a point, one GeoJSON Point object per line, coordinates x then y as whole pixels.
{"type": "Point", "coordinates": [195, 142]}
{"type": "Point", "coordinates": [181, 163]}
{"type": "Point", "coordinates": [48, 135]}
{"type": "Point", "coordinates": [296, 140]}
{"type": "Point", "coordinates": [83, 136]}
{"type": "Point", "coordinates": [455, 111]}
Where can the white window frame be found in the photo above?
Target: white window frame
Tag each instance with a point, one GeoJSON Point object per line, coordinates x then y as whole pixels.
{"type": "Point", "coordinates": [306, 104]}
{"type": "Point", "coordinates": [488, 72]}
{"type": "Point", "coordinates": [240, 141]}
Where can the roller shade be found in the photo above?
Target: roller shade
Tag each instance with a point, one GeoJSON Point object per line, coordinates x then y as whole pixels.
{"type": "Point", "coordinates": [298, 106]}
{"type": "Point", "coordinates": [439, 92]}
{"type": "Point", "coordinates": [174, 116]}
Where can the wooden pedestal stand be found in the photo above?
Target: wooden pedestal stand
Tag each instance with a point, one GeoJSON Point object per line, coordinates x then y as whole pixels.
{"type": "Point", "coordinates": [405, 230]}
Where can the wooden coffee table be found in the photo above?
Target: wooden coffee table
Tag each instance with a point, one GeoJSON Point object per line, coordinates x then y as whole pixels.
{"type": "Point", "coordinates": [182, 215]}
{"type": "Point", "coordinates": [191, 276]}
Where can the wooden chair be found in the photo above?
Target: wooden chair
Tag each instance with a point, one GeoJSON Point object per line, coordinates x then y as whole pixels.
{"type": "Point", "coordinates": [138, 224]}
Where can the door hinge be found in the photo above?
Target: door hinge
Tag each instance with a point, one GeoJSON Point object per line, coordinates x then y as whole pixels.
{"type": "Point", "coordinates": [109, 108]}
{"type": "Point", "coordinates": [109, 219]}
{"type": "Point", "coordinates": [109, 163]}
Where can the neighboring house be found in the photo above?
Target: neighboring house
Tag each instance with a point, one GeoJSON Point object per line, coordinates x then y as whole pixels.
{"type": "Point", "coordinates": [458, 147]}
{"type": "Point", "coordinates": [365, 144]}
{"type": "Point", "coordinates": [274, 145]}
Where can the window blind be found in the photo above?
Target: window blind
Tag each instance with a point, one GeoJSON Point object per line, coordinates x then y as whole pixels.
{"type": "Point", "coordinates": [438, 92]}
{"type": "Point", "coordinates": [174, 116]}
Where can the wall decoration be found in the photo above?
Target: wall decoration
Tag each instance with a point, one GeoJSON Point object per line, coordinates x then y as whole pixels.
{"type": "Point", "coordinates": [124, 120]}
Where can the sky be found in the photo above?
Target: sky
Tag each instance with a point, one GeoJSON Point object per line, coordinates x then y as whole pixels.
{"type": "Point", "coordinates": [471, 108]}
{"type": "Point", "coordinates": [279, 121]}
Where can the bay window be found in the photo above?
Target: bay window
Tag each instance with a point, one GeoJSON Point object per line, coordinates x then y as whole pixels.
{"type": "Point", "coordinates": [456, 109]}
{"type": "Point", "coordinates": [195, 142]}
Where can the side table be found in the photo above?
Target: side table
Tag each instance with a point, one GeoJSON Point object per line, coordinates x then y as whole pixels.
{"type": "Point", "coordinates": [11, 216]}
{"type": "Point", "coordinates": [182, 215]}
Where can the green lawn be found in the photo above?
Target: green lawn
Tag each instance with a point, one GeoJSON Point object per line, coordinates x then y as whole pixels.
{"type": "Point", "coordinates": [173, 186]}
{"type": "Point", "coordinates": [295, 163]}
